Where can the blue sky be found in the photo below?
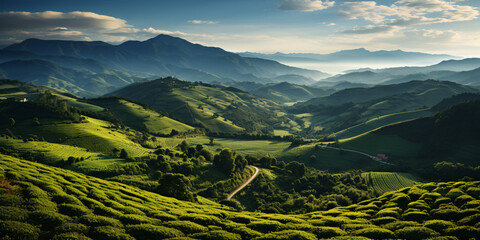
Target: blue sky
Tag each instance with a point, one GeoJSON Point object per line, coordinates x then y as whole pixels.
{"type": "Point", "coordinates": [317, 26]}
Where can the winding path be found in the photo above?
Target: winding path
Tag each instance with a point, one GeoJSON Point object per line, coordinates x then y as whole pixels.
{"type": "Point", "coordinates": [375, 158]}
{"type": "Point", "coordinates": [245, 184]}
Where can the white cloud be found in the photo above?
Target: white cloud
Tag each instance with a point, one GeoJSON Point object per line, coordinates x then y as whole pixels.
{"type": "Point", "coordinates": [202, 22]}
{"type": "Point", "coordinates": [404, 13]}
{"type": "Point", "coordinates": [304, 5]}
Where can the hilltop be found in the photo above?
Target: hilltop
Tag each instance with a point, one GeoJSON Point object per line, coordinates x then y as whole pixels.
{"type": "Point", "coordinates": [218, 109]}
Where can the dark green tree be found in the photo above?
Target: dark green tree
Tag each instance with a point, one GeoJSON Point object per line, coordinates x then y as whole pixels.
{"type": "Point", "coordinates": [176, 185]}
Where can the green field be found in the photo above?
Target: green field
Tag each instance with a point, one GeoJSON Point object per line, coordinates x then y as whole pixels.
{"type": "Point", "coordinates": [381, 121]}
{"type": "Point", "coordinates": [141, 118]}
{"type": "Point", "coordinates": [383, 182]}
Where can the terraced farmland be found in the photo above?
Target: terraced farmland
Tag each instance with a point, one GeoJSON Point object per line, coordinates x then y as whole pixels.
{"type": "Point", "coordinates": [383, 182]}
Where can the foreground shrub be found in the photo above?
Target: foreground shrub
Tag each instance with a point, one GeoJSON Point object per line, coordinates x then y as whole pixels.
{"type": "Point", "coordinates": [70, 236]}
{"type": "Point", "coordinates": [134, 219]}
{"type": "Point", "coordinates": [470, 220]}
{"type": "Point", "coordinates": [71, 227]}
{"type": "Point", "coordinates": [110, 233]}
{"type": "Point", "coordinates": [73, 209]}
{"type": "Point", "coordinates": [438, 225]}
{"type": "Point", "coordinates": [186, 226]}
{"type": "Point", "coordinates": [18, 230]}
{"type": "Point", "coordinates": [288, 235]}
{"type": "Point", "coordinates": [149, 231]}
{"type": "Point", "coordinates": [383, 220]}
{"type": "Point", "coordinates": [328, 232]}
{"type": "Point", "coordinates": [401, 224]}
{"type": "Point", "coordinates": [216, 235]}
{"type": "Point", "coordinates": [416, 233]}
{"type": "Point", "coordinates": [13, 213]}
{"type": "Point", "coordinates": [266, 226]}
{"type": "Point", "coordinates": [201, 219]}
{"type": "Point", "coordinates": [375, 233]}
{"type": "Point", "coordinates": [95, 220]}
{"type": "Point", "coordinates": [416, 216]}
{"type": "Point", "coordinates": [48, 220]}
{"type": "Point", "coordinates": [463, 232]}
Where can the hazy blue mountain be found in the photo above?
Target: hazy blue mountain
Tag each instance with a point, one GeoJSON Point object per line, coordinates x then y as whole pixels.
{"type": "Point", "coordinates": [288, 92]}
{"type": "Point", "coordinates": [79, 82]}
{"type": "Point", "coordinates": [354, 55]}
{"type": "Point", "coordinates": [465, 71]}
{"type": "Point", "coordinates": [167, 55]}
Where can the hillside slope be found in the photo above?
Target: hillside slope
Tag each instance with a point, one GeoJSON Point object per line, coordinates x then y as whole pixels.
{"type": "Point", "coordinates": [40, 202]}
{"type": "Point", "coordinates": [214, 108]}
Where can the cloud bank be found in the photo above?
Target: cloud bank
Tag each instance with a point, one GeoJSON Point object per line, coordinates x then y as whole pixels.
{"type": "Point", "coordinates": [304, 5]}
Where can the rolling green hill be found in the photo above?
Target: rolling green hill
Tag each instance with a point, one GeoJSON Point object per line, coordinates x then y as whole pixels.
{"type": "Point", "coordinates": [418, 144]}
{"type": "Point", "coordinates": [350, 107]}
{"type": "Point", "coordinates": [139, 117]}
{"type": "Point", "coordinates": [215, 108]}
{"type": "Point", "coordinates": [40, 202]}
{"type": "Point", "coordinates": [288, 92]}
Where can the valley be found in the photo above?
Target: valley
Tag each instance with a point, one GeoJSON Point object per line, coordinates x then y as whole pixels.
{"type": "Point", "coordinates": [168, 139]}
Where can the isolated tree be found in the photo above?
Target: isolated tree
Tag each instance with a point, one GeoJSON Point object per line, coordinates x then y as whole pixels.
{"type": "Point", "coordinates": [123, 154]}
{"type": "Point", "coordinates": [225, 161]}
{"type": "Point", "coordinates": [296, 168]}
{"type": "Point", "coordinates": [36, 122]}
{"type": "Point", "coordinates": [211, 140]}
{"type": "Point", "coordinates": [12, 122]}
{"type": "Point", "coordinates": [115, 152]}
{"type": "Point", "coordinates": [175, 185]}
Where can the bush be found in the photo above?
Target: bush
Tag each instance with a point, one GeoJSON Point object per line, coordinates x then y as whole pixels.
{"type": "Point", "coordinates": [149, 231]}
{"type": "Point", "coordinates": [375, 233]}
{"type": "Point", "coordinates": [246, 233]}
{"type": "Point", "coordinates": [470, 220]}
{"type": "Point", "coordinates": [134, 219]}
{"type": "Point", "coordinates": [416, 216]}
{"type": "Point", "coordinates": [288, 235]}
{"type": "Point", "coordinates": [216, 235]}
{"type": "Point", "coordinates": [201, 219]}
{"type": "Point", "coordinates": [266, 226]}
{"type": "Point", "coordinates": [48, 220]}
{"type": "Point", "coordinates": [389, 212]}
{"type": "Point", "coordinates": [186, 226]}
{"type": "Point", "coordinates": [383, 220]}
{"type": "Point", "coordinates": [416, 233]}
{"type": "Point", "coordinates": [73, 210]}
{"type": "Point", "coordinates": [459, 201]}
{"type": "Point", "coordinates": [95, 220]}
{"type": "Point", "coordinates": [107, 212]}
{"type": "Point", "coordinates": [438, 225]}
{"type": "Point", "coordinates": [13, 213]}
{"type": "Point", "coordinates": [454, 193]}
{"type": "Point", "coordinates": [164, 216]}
{"type": "Point", "coordinates": [70, 236]}
{"type": "Point", "coordinates": [401, 224]}
{"type": "Point", "coordinates": [446, 212]}
{"type": "Point", "coordinates": [463, 232]}
{"type": "Point", "coordinates": [71, 227]}
{"type": "Point", "coordinates": [18, 230]}
{"type": "Point", "coordinates": [110, 233]}
{"type": "Point", "coordinates": [328, 232]}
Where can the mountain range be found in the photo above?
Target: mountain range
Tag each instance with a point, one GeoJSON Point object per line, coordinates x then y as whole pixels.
{"type": "Point", "coordinates": [115, 66]}
{"type": "Point", "coordinates": [465, 71]}
{"type": "Point", "coordinates": [354, 55]}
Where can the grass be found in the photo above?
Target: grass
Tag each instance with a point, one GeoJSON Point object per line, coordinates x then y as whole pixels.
{"type": "Point", "coordinates": [141, 118]}
{"type": "Point", "coordinates": [383, 182]}
{"type": "Point", "coordinates": [381, 121]}
{"type": "Point", "coordinates": [92, 134]}
{"type": "Point", "coordinates": [79, 205]}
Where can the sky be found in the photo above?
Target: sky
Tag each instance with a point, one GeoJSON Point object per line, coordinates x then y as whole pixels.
{"type": "Point", "coordinates": [266, 26]}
